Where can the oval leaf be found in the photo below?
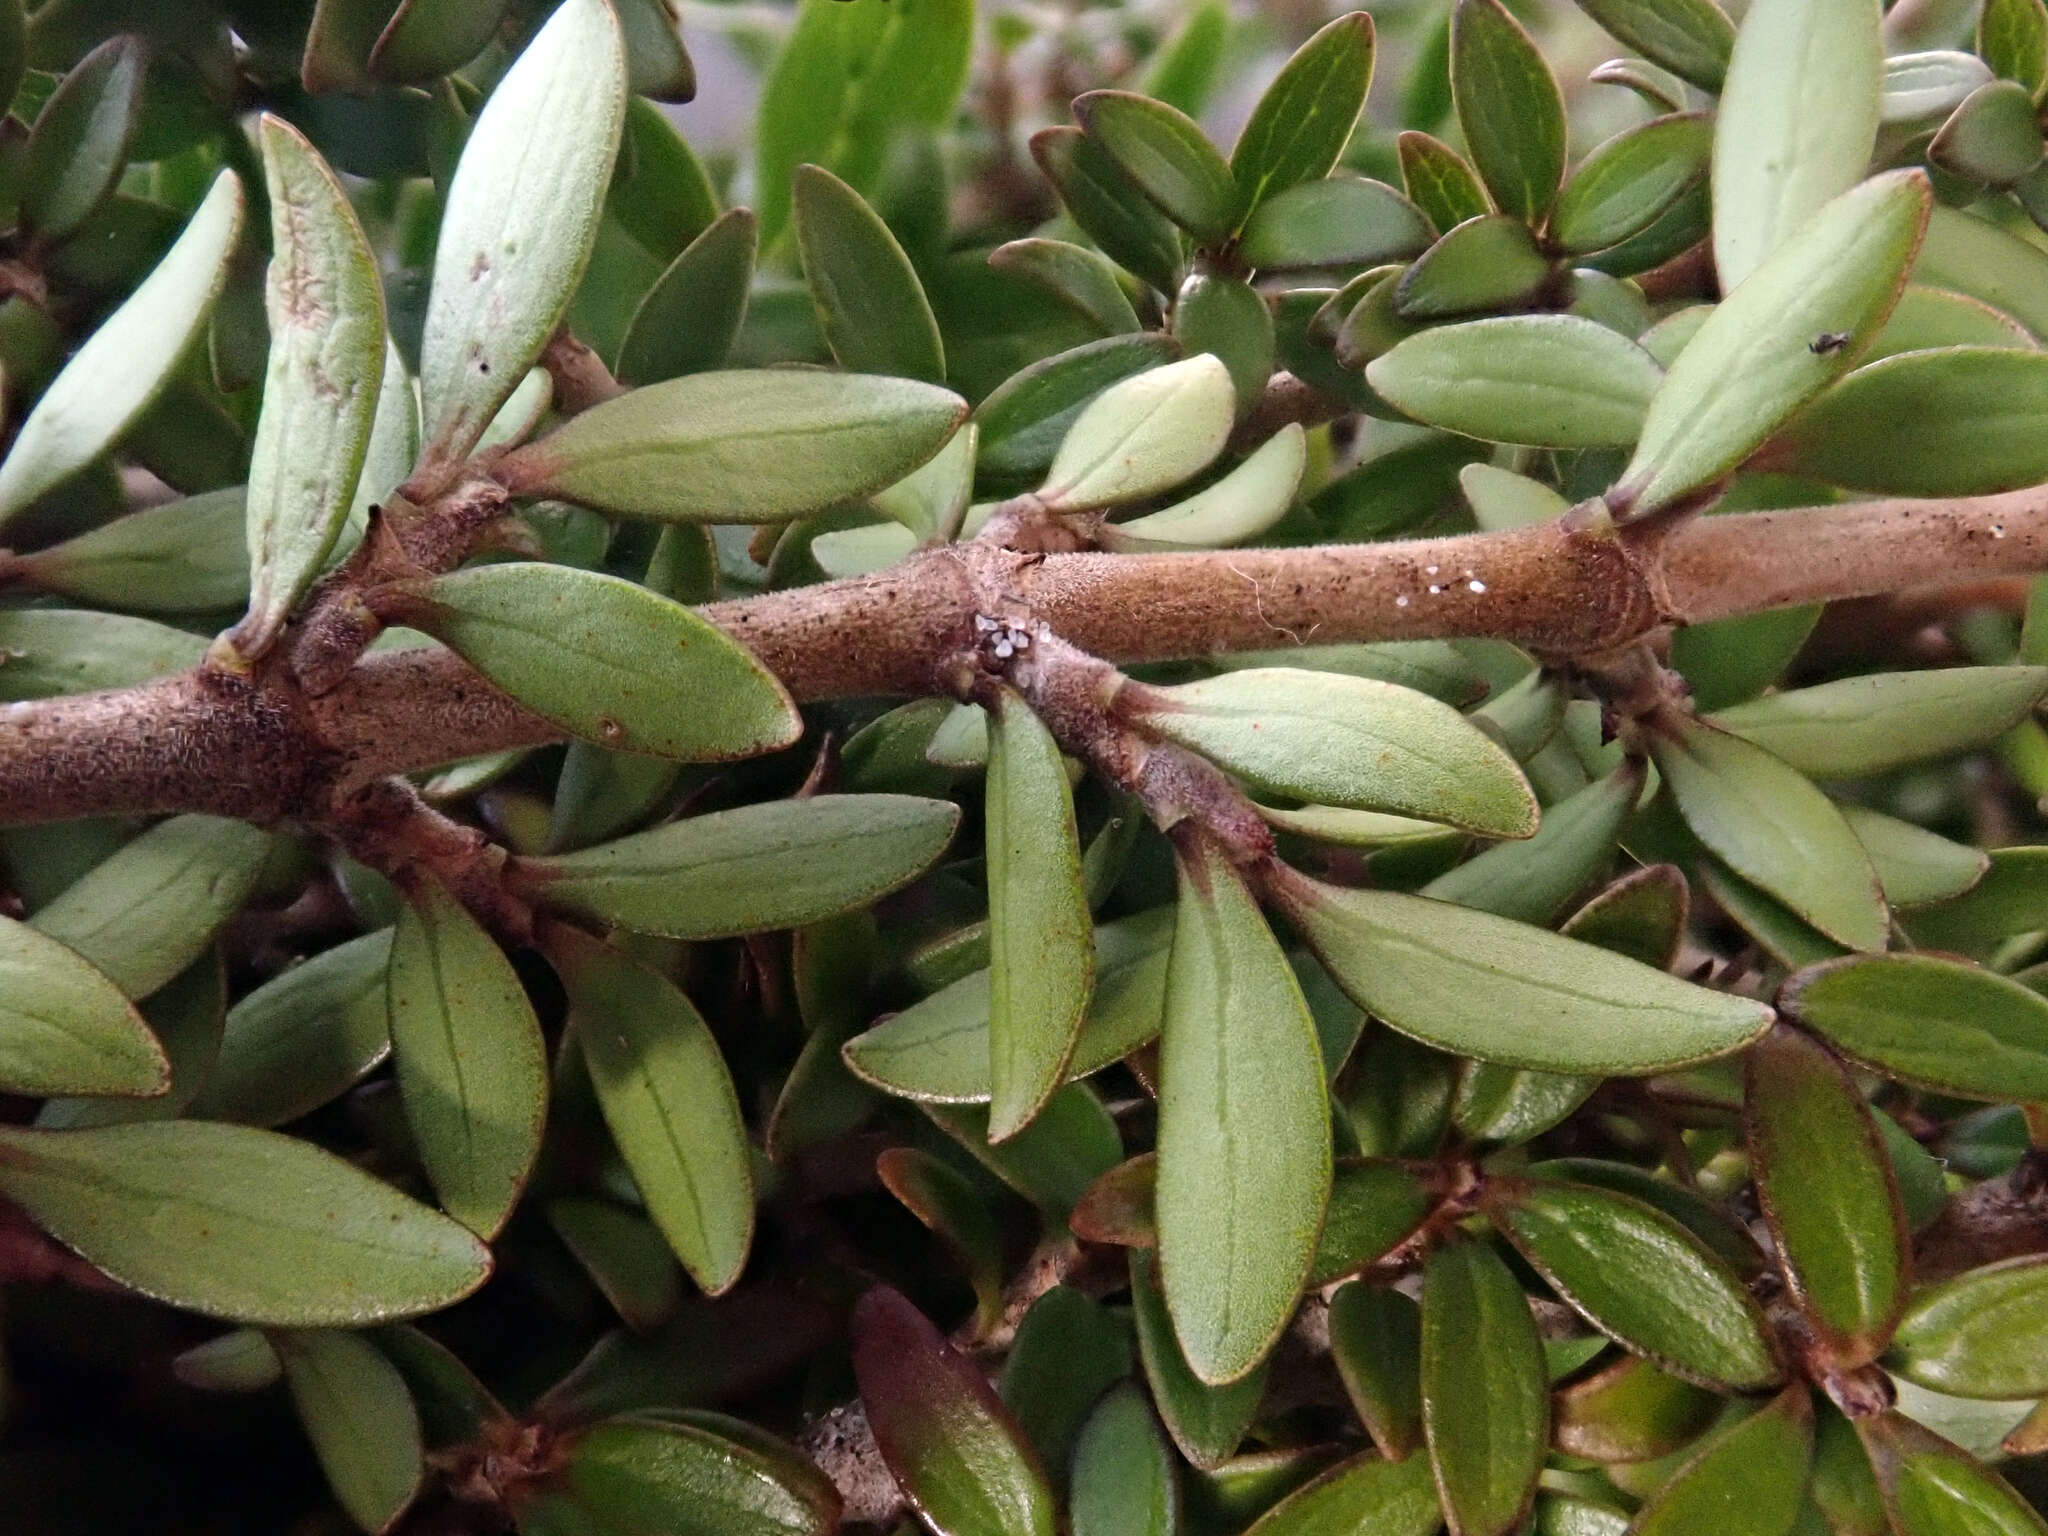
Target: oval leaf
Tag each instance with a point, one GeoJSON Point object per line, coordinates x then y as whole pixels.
{"type": "Point", "coordinates": [1860, 726]}
{"type": "Point", "coordinates": [1641, 1278]}
{"type": "Point", "coordinates": [150, 910]}
{"type": "Point", "coordinates": [1781, 151]}
{"type": "Point", "coordinates": [1509, 105]}
{"type": "Point", "coordinates": [472, 1067]}
{"type": "Point", "coordinates": [65, 1028]}
{"type": "Point", "coordinates": [1206, 1422]}
{"type": "Point", "coordinates": [284, 1235]}
{"type": "Point", "coordinates": [1779, 338]}
{"type": "Point", "coordinates": [1827, 1191]}
{"type": "Point", "coordinates": [1937, 1023]}
{"type": "Point", "coordinates": [360, 1417]}
{"type": "Point", "coordinates": [756, 446]}
{"type": "Point", "coordinates": [1244, 1129]}
{"type": "Point", "coordinates": [1125, 1482]}
{"type": "Point", "coordinates": [1772, 827]}
{"type": "Point", "coordinates": [1981, 1334]}
{"type": "Point", "coordinates": [125, 364]}
{"type": "Point", "coordinates": [1165, 154]}
{"type": "Point", "coordinates": [1041, 958]}
{"type": "Point", "coordinates": [1142, 435]}
{"type": "Point", "coordinates": [1480, 985]}
{"type": "Point", "coordinates": [668, 1098]}
{"type": "Point", "coordinates": [1485, 1389]}
{"type": "Point", "coordinates": [782, 864]}
{"type": "Point", "coordinates": [952, 1446]}
{"type": "Point", "coordinates": [607, 660]}
{"type": "Point", "coordinates": [1747, 1480]}
{"type": "Point", "coordinates": [326, 312]}
{"type": "Point", "coordinates": [1549, 381]}
{"type": "Point", "coordinates": [1304, 118]}
{"type": "Point", "coordinates": [520, 219]}
{"type": "Point", "coordinates": [1347, 741]}
{"type": "Point", "coordinates": [870, 304]}
{"type": "Point", "coordinates": [1365, 1496]}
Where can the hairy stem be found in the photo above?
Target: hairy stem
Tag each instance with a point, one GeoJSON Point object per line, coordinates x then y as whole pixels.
{"type": "Point", "coordinates": [266, 751]}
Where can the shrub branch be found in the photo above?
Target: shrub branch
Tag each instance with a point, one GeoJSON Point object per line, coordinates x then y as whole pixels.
{"type": "Point", "coordinates": [263, 749]}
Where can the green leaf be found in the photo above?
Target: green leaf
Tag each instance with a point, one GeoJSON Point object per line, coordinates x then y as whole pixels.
{"type": "Point", "coordinates": [1142, 435]}
{"type": "Point", "coordinates": [360, 1417]}
{"type": "Point", "coordinates": [1641, 1278]}
{"type": "Point", "coordinates": [2006, 902]}
{"type": "Point", "coordinates": [688, 1475]}
{"type": "Point", "coordinates": [1227, 318]}
{"type": "Point", "coordinates": [1746, 1480]}
{"type": "Point", "coordinates": [1376, 1345]}
{"type": "Point", "coordinates": [2012, 37]}
{"type": "Point", "coordinates": [326, 312]}
{"type": "Point", "coordinates": [954, 1450]}
{"type": "Point", "coordinates": [1244, 1137]}
{"type": "Point", "coordinates": [1480, 985]}
{"type": "Point", "coordinates": [937, 1049]}
{"type": "Point", "coordinates": [751, 446]}
{"type": "Point", "coordinates": [625, 1256]}
{"type": "Point", "coordinates": [1440, 180]}
{"type": "Point", "coordinates": [780, 864]}
{"type": "Point", "coordinates": [1991, 138]}
{"type": "Point", "coordinates": [1364, 1496]}
{"type": "Point", "coordinates": [1629, 1411]}
{"type": "Point", "coordinates": [520, 220]}
{"type": "Point", "coordinates": [1485, 1390]}
{"type": "Point", "coordinates": [1981, 1334]}
{"type": "Point", "coordinates": [1948, 1026]}
{"type": "Point", "coordinates": [1827, 1191]}
{"type": "Point", "coordinates": [240, 1360]}
{"type": "Point", "coordinates": [668, 1099]}
{"type": "Point", "coordinates": [870, 304]}
{"type": "Point", "coordinates": [1346, 741]}
{"type": "Point", "coordinates": [1374, 1207]}
{"type": "Point", "coordinates": [851, 77]}
{"type": "Point", "coordinates": [472, 1067]}
{"type": "Point", "coordinates": [303, 1037]}
{"type": "Point", "coordinates": [1781, 152]}
{"type": "Point", "coordinates": [1921, 89]}
{"type": "Point", "coordinates": [1509, 105]}
{"type": "Point", "coordinates": [1958, 421]}
{"type": "Point", "coordinates": [1168, 158]}
{"type": "Point", "coordinates": [1691, 38]}
{"type": "Point", "coordinates": [178, 557]}
{"type": "Point", "coordinates": [1304, 118]}
{"type": "Point", "coordinates": [1025, 419]}
{"type": "Point", "coordinates": [1700, 1216]}
{"type": "Point", "coordinates": [1933, 1488]}
{"type": "Point", "coordinates": [1340, 221]}
{"type": "Point", "coordinates": [1933, 317]}
{"type": "Point", "coordinates": [1083, 280]}
{"type": "Point", "coordinates": [1620, 188]}
{"type": "Point", "coordinates": [1772, 827]}
{"type": "Point", "coordinates": [1241, 506]}
{"type": "Point", "coordinates": [1042, 962]}
{"type": "Point", "coordinates": [1068, 1352]}
{"type": "Point", "coordinates": [66, 1028]}
{"type": "Point", "coordinates": [1125, 1482]}
{"type": "Point", "coordinates": [1102, 200]}
{"type": "Point", "coordinates": [687, 321]}
{"type": "Point", "coordinates": [830, 965]}
{"type": "Point", "coordinates": [958, 1210]}
{"type": "Point", "coordinates": [1052, 1161]}
{"type": "Point", "coordinates": [285, 1234]}
{"type": "Point", "coordinates": [1857, 727]}
{"type": "Point", "coordinates": [426, 39]}
{"type": "Point", "coordinates": [148, 912]}
{"type": "Point", "coordinates": [607, 660]}
{"type": "Point", "coordinates": [1992, 265]}
{"type": "Point", "coordinates": [125, 364]}
{"type": "Point", "coordinates": [1755, 361]}
{"type": "Point", "coordinates": [1206, 1422]}
{"type": "Point", "coordinates": [1530, 881]}
{"type": "Point", "coordinates": [1551, 381]}
{"type": "Point", "coordinates": [80, 144]}
{"type": "Point", "coordinates": [1490, 262]}
{"type": "Point", "coordinates": [1641, 915]}
{"type": "Point", "coordinates": [186, 1017]}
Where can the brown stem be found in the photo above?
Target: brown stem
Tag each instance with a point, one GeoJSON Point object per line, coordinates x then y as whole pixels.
{"type": "Point", "coordinates": [245, 749]}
